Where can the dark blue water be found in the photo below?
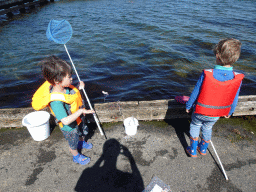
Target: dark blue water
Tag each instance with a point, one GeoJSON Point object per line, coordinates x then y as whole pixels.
{"type": "Point", "coordinates": [134, 50]}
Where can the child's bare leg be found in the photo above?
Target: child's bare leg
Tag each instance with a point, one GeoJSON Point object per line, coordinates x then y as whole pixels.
{"type": "Point", "coordinates": [73, 152]}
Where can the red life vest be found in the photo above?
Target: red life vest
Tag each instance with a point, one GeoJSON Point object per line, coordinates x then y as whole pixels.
{"type": "Point", "coordinates": [216, 97]}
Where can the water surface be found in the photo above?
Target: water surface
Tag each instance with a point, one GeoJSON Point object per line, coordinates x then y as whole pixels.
{"type": "Point", "coordinates": [134, 50]}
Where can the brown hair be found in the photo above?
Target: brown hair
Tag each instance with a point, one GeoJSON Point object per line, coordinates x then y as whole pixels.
{"type": "Point", "coordinates": [228, 51]}
{"type": "Point", "coordinates": [55, 69]}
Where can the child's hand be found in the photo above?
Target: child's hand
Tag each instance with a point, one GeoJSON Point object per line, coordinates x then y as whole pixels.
{"type": "Point", "coordinates": [81, 85]}
{"type": "Point", "coordinates": [187, 110]}
{"type": "Point", "coordinates": [85, 111]}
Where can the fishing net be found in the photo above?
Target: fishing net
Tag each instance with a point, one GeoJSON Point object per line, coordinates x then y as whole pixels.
{"type": "Point", "coordinates": [59, 31]}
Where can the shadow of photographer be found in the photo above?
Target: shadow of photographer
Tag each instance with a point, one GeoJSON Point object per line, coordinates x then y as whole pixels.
{"type": "Point", "coordinates": [104, 175]}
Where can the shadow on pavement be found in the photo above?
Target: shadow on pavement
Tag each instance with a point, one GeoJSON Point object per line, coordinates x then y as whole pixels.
{"type": "Point", "coordinates": [181, 127]}
{"type": "Point", "coordinates": [104, 175]}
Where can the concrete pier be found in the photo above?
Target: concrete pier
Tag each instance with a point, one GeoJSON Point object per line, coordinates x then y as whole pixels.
{"type": "Point", "coordinates": [141, 110]}
{"type": "Point", "coordinates": [128, 164]}
{"type": "Point", "coordinates": [10, 6]}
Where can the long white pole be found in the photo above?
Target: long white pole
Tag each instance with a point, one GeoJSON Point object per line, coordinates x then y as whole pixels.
{"type": "Point", "coordinates": [219, 161]}
{"type": "Point", "coordinates": [94, 115]}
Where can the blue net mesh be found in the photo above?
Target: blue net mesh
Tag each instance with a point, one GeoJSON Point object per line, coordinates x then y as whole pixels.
{"type": "Point", "coordinates": [59, 31]}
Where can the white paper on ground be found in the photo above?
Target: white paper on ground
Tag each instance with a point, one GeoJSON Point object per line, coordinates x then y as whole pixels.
{"type": "Point", "coordinates": [157, 185]}
{"type": "Point", "coordinates": [156, 188]}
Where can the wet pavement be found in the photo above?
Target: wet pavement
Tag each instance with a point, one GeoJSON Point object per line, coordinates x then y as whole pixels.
{"type": "Point", "coordinates": [128, 163]}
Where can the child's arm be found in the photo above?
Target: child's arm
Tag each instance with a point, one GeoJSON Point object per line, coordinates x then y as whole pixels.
{"type": "Point", "coordinates": [195, 93]}
{"type": "Point", "coordinates": [71, 118]}
{"type": "Point", "coordinates": [61, 113]}
{"type": "Point", "coordinates": [234, 104]}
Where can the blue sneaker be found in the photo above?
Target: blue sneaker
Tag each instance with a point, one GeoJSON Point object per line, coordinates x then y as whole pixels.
{"type": "Point", "coordinates": [84, 145]}
{"type": "Point", "coordinates": [191, 150]}
{"type": "Point", "coordinates": [81, 159]}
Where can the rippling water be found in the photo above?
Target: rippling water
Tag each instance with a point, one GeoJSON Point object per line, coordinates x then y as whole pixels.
{"type": "Point", "coordinates": [134, 50]}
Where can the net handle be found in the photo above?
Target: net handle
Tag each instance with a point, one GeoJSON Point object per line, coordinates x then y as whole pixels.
{"type": "Point", "coordinates": [226, 177]}
{"type": "Point", "coordinates": [94, 114]}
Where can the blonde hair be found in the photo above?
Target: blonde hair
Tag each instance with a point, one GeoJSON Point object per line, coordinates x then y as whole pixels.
{"type": "Point", "coordinates": [228, 51]}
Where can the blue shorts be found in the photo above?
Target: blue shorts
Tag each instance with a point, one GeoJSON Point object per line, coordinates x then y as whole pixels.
{"type": "Point", "coordinates": [73, 136]}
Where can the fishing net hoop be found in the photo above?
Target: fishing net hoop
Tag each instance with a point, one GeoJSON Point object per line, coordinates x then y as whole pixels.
{"type": "Point", "coordinates": [59, 31]}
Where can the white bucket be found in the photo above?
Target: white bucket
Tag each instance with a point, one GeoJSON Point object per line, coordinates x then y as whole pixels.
{"type": "Point", "coordinates": [37, 124]}
{"type": "Point", "coordinates": [131, 125]}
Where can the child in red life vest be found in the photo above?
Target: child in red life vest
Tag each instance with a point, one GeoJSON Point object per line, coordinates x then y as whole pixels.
{"type": "Point", "coordinates": [215, 95]}
{"type": "Point", "coordinates": [65, 103]}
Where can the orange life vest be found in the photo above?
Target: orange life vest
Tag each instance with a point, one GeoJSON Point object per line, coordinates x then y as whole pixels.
{"type": "Point", "coordinates": [216, 97]}
{"type": "Point", "coordinates": [43, 97]}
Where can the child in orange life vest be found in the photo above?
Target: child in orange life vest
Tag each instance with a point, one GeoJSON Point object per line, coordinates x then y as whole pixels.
{"type": "Point", "coordinates": [215, 95]}
{"type": "Point", "coordinates": [58, 73]}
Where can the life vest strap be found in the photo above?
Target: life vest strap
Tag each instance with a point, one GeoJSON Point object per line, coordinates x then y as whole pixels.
{"type": "Point", "coordinates": [213, 107]}
{"type": "Point", "coordinates": [57, 97]}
